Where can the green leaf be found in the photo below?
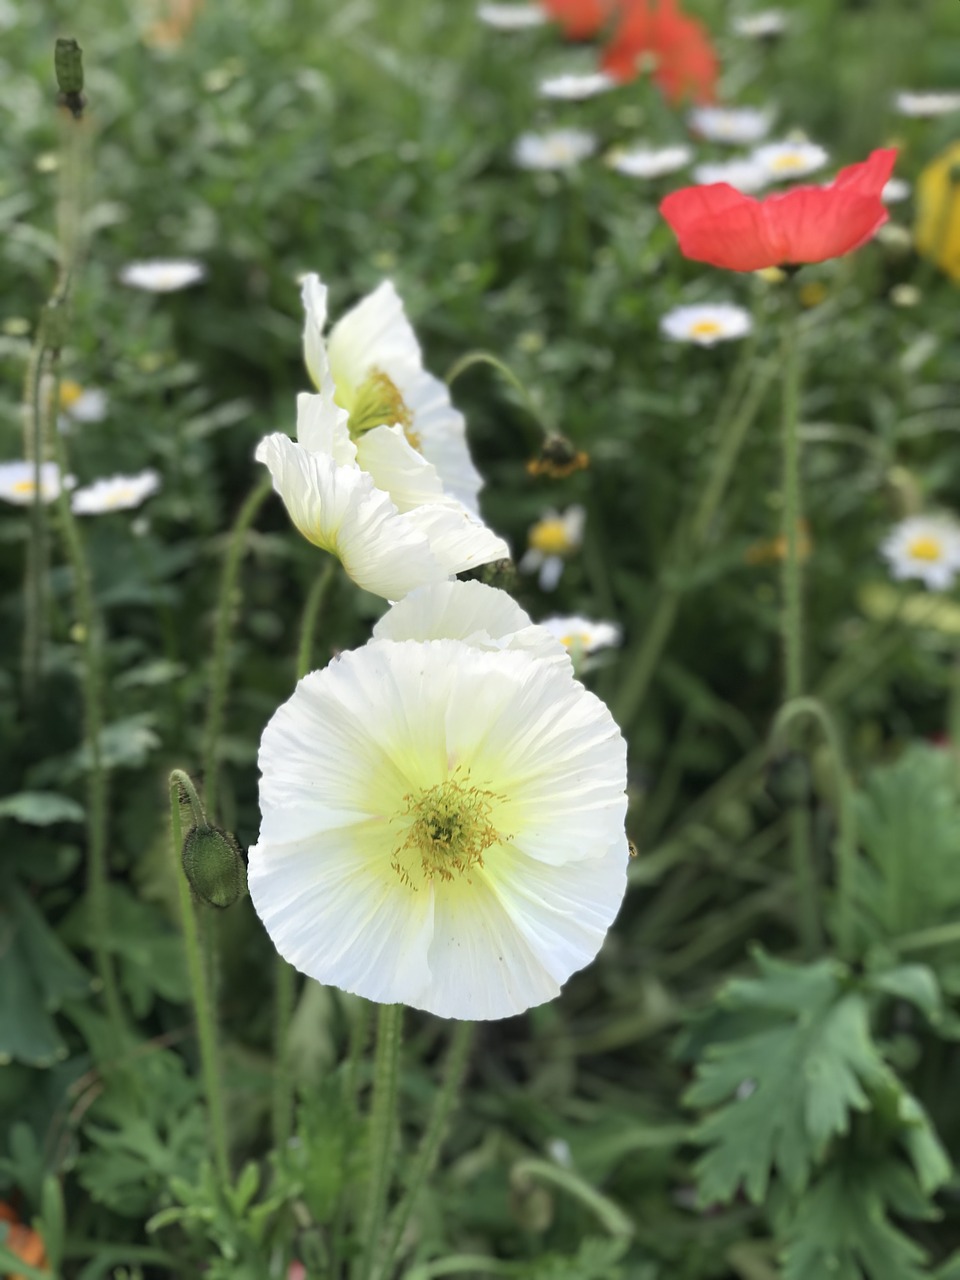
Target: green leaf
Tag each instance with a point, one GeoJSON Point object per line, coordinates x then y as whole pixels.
{"type": "Point", "coordinates": [40, 808]}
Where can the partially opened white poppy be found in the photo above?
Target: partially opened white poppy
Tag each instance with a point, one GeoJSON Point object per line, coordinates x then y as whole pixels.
{"type": "Point", "coordinates": [443, 827]}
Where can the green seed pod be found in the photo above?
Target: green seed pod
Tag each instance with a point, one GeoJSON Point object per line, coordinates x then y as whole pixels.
{"type": "Point", "coordinates": [68, 64]}
{"type": "Point", "coordinates": [213, 864]}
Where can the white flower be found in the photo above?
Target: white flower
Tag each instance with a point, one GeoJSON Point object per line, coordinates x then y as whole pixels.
{"type": "Point", "coordinates": [163, 275]}
{"type": "Point", "coordinates": [557, 149]}
{"type": "Point", "coordinates": [338, 506]}
{"type": "Point", "coordinates": [648, 162]}
{"type": "Point", "coordinates": [731, 124]}
{"type": "Point", "coordinates": [406, 431]}
{"type": "Point", "coordinates": [512, 17]}
{"type": "Point", "coordinates": [580, 636]}
{"type": "Point", "coordinates": [575, 87]}
{"type": "Point", "coordinates": [82, 404]}
{"type": "Point", "coordinates": [894, 191]}
{"type": "Point", "coordinates": [742, 173]}
{"type": "Point", "coordinates": [117, 493]}
{"type": "Point", "coordinates": [924, 547]}
{"type": "Point", "coordinates": [780, 160]}
{"type": "Point", "coordinates": [442, 826]}
{"type": "Point", "coordinates": [551, 541]}
{"type": "Point", "coordinates": [765, 25]}
{"type": "Point", "coordinates": [706, 323]}
{"type": "Point", "coordinates": [930, 103]}
{"type": "Point", "coordinates": [17, 482]}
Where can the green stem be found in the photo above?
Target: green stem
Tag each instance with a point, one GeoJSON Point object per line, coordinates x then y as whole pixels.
{"type": "Point", "coordinates": [319, 589]}
{"type": "Point", "coordinates": [383, 1125]}
{"type": "Point", "coordinates": [610, 1216]}
{"type": "Point", "coordinates": [221, 644]}
{"type": "Point", "coordinates": [471, 358]}
{"type": "Point", "coordinates": [35, 623]}
{"type": "Point", "coordinates": [792, 611]}
{"type": "Point", "coordinates": [359, 1035]}
{"type": "Point", "coordinates": [181, 786]}
{"type": "Point", "coordinates": [425, 1160]}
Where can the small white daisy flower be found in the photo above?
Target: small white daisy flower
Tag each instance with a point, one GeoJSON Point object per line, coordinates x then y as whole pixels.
{"type": "Point", "coordinates": [894, 191]}
{"type": "Point", "coordinates": [116, 493]}
{"type": "Point", "coordinates": [576, 87]}
{"type": "Point", "coordinates": [765, 25]}
{"type": "Point", "coordinates": [924, 547]}
{"type": "Point", "coordinates": [706, 323]}
{"type": "Point", "coordinates": [442, 826]}
{"type": "Point", "coordinates": [163, 275]}
{"type": "Point", "coordinates": [743, 174]}
{"type": "Point", "coordinates": [82, 404]}
{"type": "Point", "coordinates": [550, 542]}
{"type": "Point", "coordinates": [783, 160]}
{"type": "Point", "coordinates": [648, 162]}
{"type": "Point", "coordinates": [557, 149]}
{"type": "Point", "coordinates": [18, 482]}
{"type": "Point", "coordinates": [734, 125]}
{"type": "Point", "coordinates": [927, 104]}
{"type": "Point", "coordinates": [580, 636]}
{"type": "Point", "coordinates": [512, 17]}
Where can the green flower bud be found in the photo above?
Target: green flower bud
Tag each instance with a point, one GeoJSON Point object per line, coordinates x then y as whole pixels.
{"type": "Point", "coordinates": [214, 866]}
{"type": "Point", "coordinates": [68, 65]}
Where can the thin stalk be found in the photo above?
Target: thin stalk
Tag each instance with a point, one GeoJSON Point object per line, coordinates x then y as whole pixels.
{"type": "Point", "coordinates": [35, 612]}
{"type": "Point", "coordinates": [792, 581]}
{"type": "Point", "coordinates": [220, 672]}
{"type": "Point", "coordinates": [425, 1160]}
{"type": "Point", "coordinates": [610, 1216]}
{"type": "Point", "coordinates": [471, 358]}
{"type": "Point", "coordinates": [180, 785]}
{"type": "Point", "coordinates": [359, 1035]}
{"type": "Point", "coordinates": [383, 1126]}
{"type": "Point", "coordinates": [319, 589]}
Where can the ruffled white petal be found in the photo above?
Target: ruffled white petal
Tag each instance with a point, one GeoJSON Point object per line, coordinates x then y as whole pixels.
{"type": "Point", "coordinates": [314, 294]}
{"type": "Point", "coordinates": [442, 431]}
{"type": "Point", "coordinates": [457, 538]}
{"type": "Point", "coordinates": [322, 427]}
{"type": "Point", "coordinates": [375, 334]}
{"type": "Point", "coordinates": [399, 469]}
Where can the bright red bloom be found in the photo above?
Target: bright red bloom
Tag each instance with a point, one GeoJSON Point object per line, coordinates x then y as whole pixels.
{"type": "Point", "coordinates": [580, 19]}
{"type": "Point", "coordinates": [684, 62]}
{"type": "Point", "coordinates": [722, 226]}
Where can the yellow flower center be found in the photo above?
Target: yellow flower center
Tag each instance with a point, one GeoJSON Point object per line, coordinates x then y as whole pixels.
{"type": "Point", "coordinates": [450, 831]}
{"type": "Point", "coordinates": [70, 393]}
{"type": "Point", "coordinates": [576, 639]}
{"type": "Point", "coordinates": [926, 547]}
{"type": "Point", "coordinates": [789, 161]}
{"type": "Point", "coordinates": [378, 403]}
{"type": "Point", "coordinates": [705, 329]}
{"type": "Point", "coordinates": [23, 486]}
{"type": "Point", "coordinates": [550, 537]}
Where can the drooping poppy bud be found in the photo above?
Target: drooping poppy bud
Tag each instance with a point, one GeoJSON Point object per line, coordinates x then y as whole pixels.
{"type": "Point", "coordinates": [214, 866]}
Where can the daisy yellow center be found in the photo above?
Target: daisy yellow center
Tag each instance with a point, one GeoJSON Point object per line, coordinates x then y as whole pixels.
{"type": "Point", "coordinates": [550, 538]}
{"type": "Point", "coordinates": [926, 547]}
{"type": "Point", "coordinates": [378, 403]}
{"type": "Point", "coordinates": [705, 329]}
{"type": "Point", "coordinates": [70, 393]}
{"type": "Point", "coordinates": [578, 639]}
{"type": "Point", "coordinates": [23, 486]}
{"type": "Point", "coordinates": [449, 832]}
{"type": "Point", "coordinates": [789, 161]}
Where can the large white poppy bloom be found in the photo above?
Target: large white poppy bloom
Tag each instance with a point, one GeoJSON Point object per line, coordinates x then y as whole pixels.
{"type": "Point", "coordinates": [443, 826]}
{"type": "Point", "coordinates": [399, 416]}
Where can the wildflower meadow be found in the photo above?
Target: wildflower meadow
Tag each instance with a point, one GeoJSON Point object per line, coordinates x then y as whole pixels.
{"type": "Point", "coordinates": [480, 680]}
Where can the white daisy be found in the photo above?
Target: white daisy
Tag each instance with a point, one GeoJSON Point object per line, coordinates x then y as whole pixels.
{"type": "Point", "coordinates": [765, 25]}
{"type": "Point", "coordinates": [648, 162]}
{"type": "Point", "coordinates": [512, 17]}
{"type": "Point", "coordinates": [550, 542]}
{"type": "Point", "coordinates": [163, 275]}
{"type": "Point", "coordinates": [18, 482]}
{"type": "Point", "coordinates": [782, 160]}
{"type": "Point", "coordinates": [82, 404]}
{"type": "Point", "coordinates": [924, 547]}
{"type": "Point", "coordinates": [442, 826]}
{"type": "Point", "coordinates": [406, 431]}
{"type": "Point", "coordinates": [117, 493]}
{"type": "Point", "coordinates": [731, 124]}
{"type": "Point", "coordinates": [706, 323]}
{"type": "Point", "coordinates": [557, 149]}
{"type": "Point", "coordinates": [742, 173]}
{"type": "Point", "coordinates": [895, 190]}
{"type": "Point", "coordinates": [580, 636]}
{"type": "Point", "coordinates": [575, 87]}
{"type": "Point", "coordinates": [927, 104]}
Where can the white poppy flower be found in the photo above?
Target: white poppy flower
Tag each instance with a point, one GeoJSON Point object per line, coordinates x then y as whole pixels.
{"type": "Point", "coordinates": [117, 493]}
{"type": "Point", "coordinates": [648, 162]}
{"type": "Point", "coordinates": [927, 104]}
{"type": "Point", "coordinates": [743, 174]}
{"type": "Point", "coordinates": [162, 275]}
{"type": "Point", "coordinates": [765, 25]}
{"type": "Point", "coordinates": [580, 635]}
{"type": "Point", "coordinates": [512, 17]}
{"type": "Point", "coordinates": [731, 124]}
{"type": "Point", "coordinates": [706, 323]}
{"type": "Point", "coordinates": [924, 547]}
{"type": "Point", "coordinates": [442, 826]}
{"type": "Point", "coordinates": [407, 433]}
{"type": "Point", "coordinates": [781, 160]}
{"type": "Point", "coordinates": [18, 484]}
{"type": "Point", "coordinates": [556, 149]}
{"type": "Point", "coordinates": [576, 87]}
{"type": "Point", "coordinates": [551, 541]}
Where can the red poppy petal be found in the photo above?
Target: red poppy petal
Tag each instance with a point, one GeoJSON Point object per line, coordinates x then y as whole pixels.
{"type": "Point", "coordinates": [812, 224]}
{"type": "Point", "coordinates": [870, 175]}
{"type": "Point", "coordinates": [720, 225]}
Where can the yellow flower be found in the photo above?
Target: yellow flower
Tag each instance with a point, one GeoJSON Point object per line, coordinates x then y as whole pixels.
{"type": "Point", "coordinates": [936, 232]}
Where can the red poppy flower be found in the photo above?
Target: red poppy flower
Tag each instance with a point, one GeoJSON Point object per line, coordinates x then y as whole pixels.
{"type": "Point", "coordinates": [684, 62]}
{"type": "Point", "coordinates": [722, 226]}
{"type": "Point", "coordinates": [580, 19]}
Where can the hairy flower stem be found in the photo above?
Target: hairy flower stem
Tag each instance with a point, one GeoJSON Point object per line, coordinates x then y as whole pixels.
{"type": "Point", "coordinates": [220, 669]}
{"type": "Point", "coordinates": [471, 358]}
{"type": "Point", "coordinates": [35, 609]}
{"type": "Point", "coordinates": [688, 539]}
{"type": "Point", "coordinates": [425, 1160]}
{"type": "Point", "coordinates": [382, 1132]}
{"type": "Point", "coordinates": [181, 788]}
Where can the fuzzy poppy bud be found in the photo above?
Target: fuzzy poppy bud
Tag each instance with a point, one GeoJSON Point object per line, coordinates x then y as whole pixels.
{"type": "Point", "coordinates": [68, 66]}
{"type": "Point", "coordinates": [214, 866]}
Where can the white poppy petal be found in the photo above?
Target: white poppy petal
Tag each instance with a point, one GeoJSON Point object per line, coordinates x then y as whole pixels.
{"type": "Point", "coordinates": [399, 469]}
